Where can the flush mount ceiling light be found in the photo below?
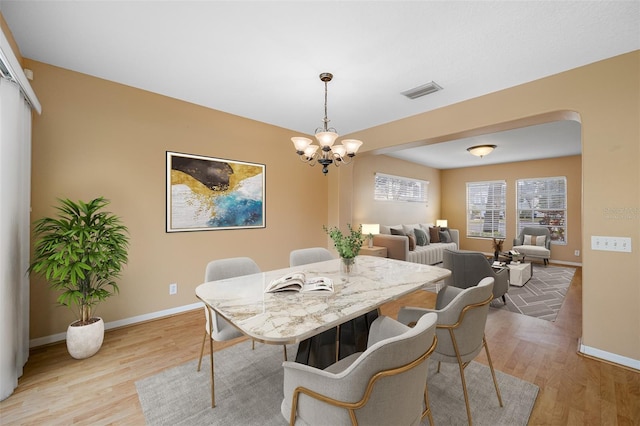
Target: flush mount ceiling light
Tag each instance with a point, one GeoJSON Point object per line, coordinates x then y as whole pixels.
{"type": "Point", "coordinates": [326, 136]}
{"type": "Point", "coordinates": [481, 150]}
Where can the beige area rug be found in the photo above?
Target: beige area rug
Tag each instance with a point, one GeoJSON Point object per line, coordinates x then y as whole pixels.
{"type": "Point", "coordinates": [249, 392]}
{"type": "Point", "coordinates": [542, 296]}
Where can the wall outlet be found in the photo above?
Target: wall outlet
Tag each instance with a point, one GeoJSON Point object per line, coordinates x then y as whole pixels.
{"type": "Point", "coordinates": [577, 252]}
{"type": "Point", "coordinates": [173, 288]}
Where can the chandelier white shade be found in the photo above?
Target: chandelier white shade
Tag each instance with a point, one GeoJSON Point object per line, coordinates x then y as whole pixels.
{"type": "Point", "coordinates": [481, 150]}
{"type": "Point", "coordinates": [326, 153]}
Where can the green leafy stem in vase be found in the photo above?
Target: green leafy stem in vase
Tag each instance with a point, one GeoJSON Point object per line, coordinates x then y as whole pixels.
{"type": "Point", "coordinates": [347, 245]}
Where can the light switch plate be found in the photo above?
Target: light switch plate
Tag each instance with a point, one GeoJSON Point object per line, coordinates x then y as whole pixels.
{"type": "Point", "coordinates": [620, 244]}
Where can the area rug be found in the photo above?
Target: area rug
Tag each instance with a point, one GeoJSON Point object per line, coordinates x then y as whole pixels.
{"type": "Point", "coordinates": [542, 296]}
{"type": "Point", "coordinates": [249, 392]}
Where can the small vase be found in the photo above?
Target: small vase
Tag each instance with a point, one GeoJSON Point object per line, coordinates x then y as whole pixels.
{"type": "Point", "coordinates": [496, 255]}
{"type": "Point", "coordinates": [347, 267]}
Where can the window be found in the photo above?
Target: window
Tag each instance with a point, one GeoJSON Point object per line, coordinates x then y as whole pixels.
{"type": "Point", "coordinates": [486, 209]}
{"type": "Point", "coordinates": [396, 188]}
{"type": "Point", "coordinates": [542, 202]}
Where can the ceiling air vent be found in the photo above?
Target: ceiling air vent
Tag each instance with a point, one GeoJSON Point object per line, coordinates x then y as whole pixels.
{"type": "Point", "coordinates": [425, 89]}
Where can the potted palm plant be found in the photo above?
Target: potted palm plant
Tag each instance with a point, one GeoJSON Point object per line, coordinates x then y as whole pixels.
{"type": "Point", "coordinates": [80, 253]}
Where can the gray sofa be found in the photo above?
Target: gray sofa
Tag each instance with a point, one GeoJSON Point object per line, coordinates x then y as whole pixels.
{"type": "Point", "coordinates": [398, 245]}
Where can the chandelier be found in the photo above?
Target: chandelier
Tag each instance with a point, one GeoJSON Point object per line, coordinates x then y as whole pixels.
{"type": "Point", "coordinates": [328, 152]}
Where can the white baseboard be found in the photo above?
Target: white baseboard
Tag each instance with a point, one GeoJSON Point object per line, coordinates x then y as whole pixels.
{"type": "Point", "coordinates": [608, 356]}
{"type": "Point", "coordinates": [562, 262]}
{"type": "Point", "coordinates": [54, 338]}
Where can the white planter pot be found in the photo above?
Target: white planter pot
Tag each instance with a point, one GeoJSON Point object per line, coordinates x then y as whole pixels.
{"type": "Point", "coordinates": [85, 340]}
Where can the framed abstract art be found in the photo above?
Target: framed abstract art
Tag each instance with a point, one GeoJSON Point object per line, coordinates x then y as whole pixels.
{"type": "Point", "coordinates": [207, 194]}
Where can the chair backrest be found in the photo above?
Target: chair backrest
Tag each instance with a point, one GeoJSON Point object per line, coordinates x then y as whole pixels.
{"type": "Point", "coordinates": [535, 231]}
{"type": "Point", "coordinates": [309, 255]}
{"type": "Point", "coordinates": [221, 269]}
{"type": "Point", "coordinates": [466, 317]}
{"type": "Point", "coordinates": [392, 371]}
{"type": "Point", "coordinates": [229, 268]}
{"type": "Point", "coordinates": [467, 268]}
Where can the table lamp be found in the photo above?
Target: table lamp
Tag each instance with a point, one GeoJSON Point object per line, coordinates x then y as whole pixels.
{"type": "Point", "coordinates": [370, 229]}
{"type": "Point", "coordinates": [442, 223]}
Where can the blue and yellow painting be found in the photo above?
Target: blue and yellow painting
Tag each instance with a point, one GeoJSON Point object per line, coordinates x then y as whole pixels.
{"type": "Point", "coordinates": [205, 193]}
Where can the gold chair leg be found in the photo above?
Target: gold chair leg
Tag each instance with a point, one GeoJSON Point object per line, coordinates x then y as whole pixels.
{"type": "Point", "coordinates": [493, 373]}
{"type": "Point", "coordinates": [253, 344]}
{"type": "Point", "coordinates": [284, 347]}
{"type": "Point", "coordinates": [427, 411]}
{"type": "Point", "coordinates": [464, 388]}
{"type": "Point", "coordinates": [213, 388]}
{"type": "Point", "coordinates": [202, 350]}
{"type": "Point", "coordinates": [461, 365]}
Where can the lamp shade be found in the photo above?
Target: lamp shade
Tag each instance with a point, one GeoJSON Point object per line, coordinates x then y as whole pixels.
{"type": "Point", "coordinates": [339, 150]}
{"type": "Point", "coordinates": [351, 145]}
{"type": "Point", "coordinates": [370, 228]}
{"type": "Point", "coordinates": [326, 138]}
{"type": "Point", "coordinates": [301, 143]}
{"type": "Point", "coordinates": [442, 223]}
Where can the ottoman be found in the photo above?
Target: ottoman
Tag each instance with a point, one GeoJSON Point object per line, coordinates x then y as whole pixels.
{"type": "Point", "coordinates": [519, 274]}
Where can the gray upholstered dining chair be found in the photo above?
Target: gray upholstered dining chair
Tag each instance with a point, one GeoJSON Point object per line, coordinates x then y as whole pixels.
{"type": "Point", "coordinates": [535, 242]}
{"type": "Point", "coordinates": [469, 267]}
{"type": "Point", "coordinates": [462, 316]}
{"type": "Point", "coordinates": [385, 384]}
{"type": "Point", "coordinates": [309, 255]}
{"type": "Point", "coordinates": [218, 328]}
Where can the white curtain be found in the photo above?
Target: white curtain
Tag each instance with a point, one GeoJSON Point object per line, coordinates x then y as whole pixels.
{"type": "Point", "coordinates": [15, 197]}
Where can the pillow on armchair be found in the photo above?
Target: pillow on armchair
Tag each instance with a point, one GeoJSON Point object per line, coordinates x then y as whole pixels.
{"type": "Point", "coordinates": [533, 240]}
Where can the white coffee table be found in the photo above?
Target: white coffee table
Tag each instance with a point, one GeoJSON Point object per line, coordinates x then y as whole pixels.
{"type": "Point", "coordinates": [520, 274]}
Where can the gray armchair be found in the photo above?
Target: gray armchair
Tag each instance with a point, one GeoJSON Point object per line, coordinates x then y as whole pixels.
{"type": "Point", "coordinates": [462, 316]}
{"type": "Point", "coordinates": [386, 384]}
{"type": "Point", "coordinates": [468, 268]}
{"type": "Point", "coordinates": [530, 244]}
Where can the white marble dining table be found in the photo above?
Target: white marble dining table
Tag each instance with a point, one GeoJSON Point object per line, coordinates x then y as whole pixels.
{"type": "Point", "coordinates": [291, 317]}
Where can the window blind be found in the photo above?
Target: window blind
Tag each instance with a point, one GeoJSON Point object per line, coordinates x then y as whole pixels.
{"type": "Point", "coordinates": [398, 188]}
{"type": "Point", "coordinates": [486, 209]}
{"type": "Point", "coordinates": [542, 202]}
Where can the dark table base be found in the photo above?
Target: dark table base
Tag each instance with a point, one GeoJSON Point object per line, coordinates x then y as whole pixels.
{"type": "Point", "coordinates": [320, 351]}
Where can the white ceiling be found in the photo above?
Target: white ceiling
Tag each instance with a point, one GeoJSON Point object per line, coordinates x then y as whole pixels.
{"type": "Point", "coordinates": [261, 59]}
{"type": "Point", "coordinates": [556, 139]}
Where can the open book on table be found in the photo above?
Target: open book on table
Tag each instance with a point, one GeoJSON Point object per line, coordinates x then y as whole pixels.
{"type": "Point", "coordinates": [297, 281]}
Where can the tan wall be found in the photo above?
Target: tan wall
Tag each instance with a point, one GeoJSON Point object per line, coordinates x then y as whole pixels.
{"type": "Point", "coordinates": [96, 138]}
{"type": "Point", "coordinates": [609, 114]}
{"type": "Point", "coordinates": [367, 210]}
{"type": "Point", "coordinates": [454, 200]}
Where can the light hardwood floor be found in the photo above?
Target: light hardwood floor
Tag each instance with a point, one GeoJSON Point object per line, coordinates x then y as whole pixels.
{"type": "Point", "coordinates": [58, 390]}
